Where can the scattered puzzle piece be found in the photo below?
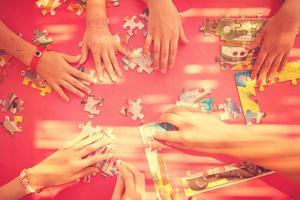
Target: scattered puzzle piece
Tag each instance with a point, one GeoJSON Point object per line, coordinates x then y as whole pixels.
{"type": "Point", "coordinates": [35, 81]}
{"type": "Point", "coordinates": [134, 108]}
{"type": "Point", "coordinates": [91, 104]}
{"type": "Point", "coordinates": [41, 38]}
{"type": "Point", "coordinates": [49, 6]}
{"type": "Point", "coordinates": [11, 126]}
{"type": "Point", "coordinates": [78, 7]}
{"type": "Point", "coordinates": [138, 60]}
{"type": "Point", "coordinates": [12, 104]}
{"type": "Point", "coordinates": [131, 25]}
{"type": "Point", "coordinates": [231, 110]}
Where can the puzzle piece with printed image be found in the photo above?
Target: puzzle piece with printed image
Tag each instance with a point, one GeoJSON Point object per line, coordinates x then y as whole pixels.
{"type": "Point", "coordinates": [77, 7]}
{"type": "Point", "coordinates": [236, 58]}
{"type": "Point", "coordinates": [13, 103]}
{"type": "Point", "coordinates": [41, 38]}
{"type": "Point", "coordinates": [230, 110]}
{"type": "Point", "coordinates": [49, 6]}
{"type": "Point", "coordinates": [290, 72]}
{"type": "Point", "coordinates": [132, 24]}
{"type": "Point", "coordinates": [12, 126]}
{"type": "Point", "coordinates": [134, 109]}
{"type": "Point", "coordinates": [223, 176]}
{"type": "Point", "coordinates": [138, 61]}
{"type": "Point", "coordinates": [198, 98]}
{"type": "Point", "coordinates": [91, 104]}
{"type": "Point", "coordinates": [247, 94]}
{"type": "Point", "coordinates": [33, 80]}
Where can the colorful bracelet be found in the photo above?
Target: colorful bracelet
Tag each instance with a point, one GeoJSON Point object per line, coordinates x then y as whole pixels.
{"type": "Point", "coordinates": [25, 182]}
{"type": "Point", "coordinates": [36, 57]}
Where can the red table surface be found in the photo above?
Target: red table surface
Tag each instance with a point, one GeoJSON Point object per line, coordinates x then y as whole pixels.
{"type": "Point", "coordinates": [49, 121]}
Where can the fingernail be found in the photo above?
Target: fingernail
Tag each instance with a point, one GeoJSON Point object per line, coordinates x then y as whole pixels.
{"type": "Point", "coordinates": [114, 79]}
{"type": "Point", "coordinates": [101, 78]}
{"type": "Point", "coordinates": [163, 71]}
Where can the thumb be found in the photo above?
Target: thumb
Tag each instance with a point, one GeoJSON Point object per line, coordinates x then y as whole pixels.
{"type": "Point", "coordinates": [182, 34]}
{"type": "Point", "coordinates": [84, 53]}
{"type": "Point", "coordinates": [71, 59]}
{"type": "Point", "coordinates": [256, 43]}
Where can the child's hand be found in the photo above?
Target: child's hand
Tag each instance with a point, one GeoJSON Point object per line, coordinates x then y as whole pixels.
{"type": "Point", "coordinates": [69, 163]}
{"type": "Point", "coordinates": [130, 183]}
{"type": "Point", "coordinates": [174, 195]}
{"type": "Point", "coordinates": [164, 29]}
{"type": "Point", "coordinates": [54, 67]}
{"type": "Point", "coordinates": [103, 46]}
{"type": "Point", "coordinates": [275, 41]}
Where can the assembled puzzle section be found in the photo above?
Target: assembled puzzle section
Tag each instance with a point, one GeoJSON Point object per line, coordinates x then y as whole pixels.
{"type": "Point", "coordinates": [13, 105]}
{"type": "Point", "coordinates": [107, 167]}
{"type": "Point", "coordinates": [246, 90]}
{"type": "Point", "coordinates": [236, 34]}
{"type": "Point", "coordinates": [32, 79]}
{"type": "Point", "coordinates": [220, 177]}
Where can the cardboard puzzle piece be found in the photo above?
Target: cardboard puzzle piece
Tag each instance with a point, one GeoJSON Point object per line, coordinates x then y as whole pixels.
{"type": "Point", "coordinates": [239, 30]}
{"type": "Point", "coordinates": [78, 7]}
{"type": "Point", "coordinates": [11, 126]}
{"type": "Point", "coordinates": [12, 104]}
{"type": "Point", "coordinates": [41, 38]}
{"type": "Point", "coordinates": [221, 177]}
{"type": "Point", "coordinates": [236, 58]}
{"type": "Point", "coordinates": [133, 108]}
{"type": "Point", "coordinates": [246, 90]}
{"type": "Point", "coordinates": [138, 61]}
{"type": "Point", "coordinates": [131, 25]}
{"type": "Point", "coordinates": [4, 58]}
{"type": "Point", "coordinates": [33, 80]}
{"type": "Point", "coordinates": [290, 72]}
{"type": "Point", "coordinates": [49, 6]}
{"type": "Point", "coordinates": [91, 105]}
{"type": "Point", "coordinates": [230, 108]}
{"type": "Point", "coordinates": [193, 96]}
{"type": "Point", "coordinates": [107, 167]}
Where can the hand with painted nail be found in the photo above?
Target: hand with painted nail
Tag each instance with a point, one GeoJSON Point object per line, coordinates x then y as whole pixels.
{"type": "Point", "coordinates": [275, 42]}
{"type": "Point", "coordinates": [54, 67]}
{"type": "Point", "coordinates": [69, 164]}
{"type": "Point", "coordinates": [130, 183]}
{"type": "Point", "coordinates": [164, 30]}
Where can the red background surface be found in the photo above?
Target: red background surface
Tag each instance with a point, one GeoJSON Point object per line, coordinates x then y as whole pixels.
{"type": "Point", "coordinates": [49, 122]}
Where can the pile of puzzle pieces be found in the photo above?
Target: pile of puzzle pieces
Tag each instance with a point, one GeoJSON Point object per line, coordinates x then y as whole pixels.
{"type": "Point", "coordinates": [14, 105]}
{"type": "Point", "coordinates": [107, 167]}
{"type": "Point", "coordinates": [235, 33]}
{"type": "Point", "coordinates": [202, 99]}
{"type": "Point", "coordinates": [138, 61]}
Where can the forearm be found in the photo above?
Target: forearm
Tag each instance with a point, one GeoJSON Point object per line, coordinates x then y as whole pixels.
{"type": "Point", "coordinates": [15, 45]}
{"type": "Point", "coordinates": [293, 7]}
{"type": "Point", "coordinates": [13, 190]}
{"type": "Point", "coordinates": [269, 147]}
{"type": "Point", "coordinates": [96, 13]}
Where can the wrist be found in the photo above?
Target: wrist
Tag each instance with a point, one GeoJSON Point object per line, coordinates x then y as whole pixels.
{"type": "Point", "coordinates": [36, 178]}
{"type": "Point", "coordinates": [158, 3]}
{"type": "Point", "coordinates": [292, 8]}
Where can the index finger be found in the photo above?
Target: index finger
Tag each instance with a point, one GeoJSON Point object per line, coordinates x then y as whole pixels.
{"type": "Point", "coordinates": [139, 177]}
